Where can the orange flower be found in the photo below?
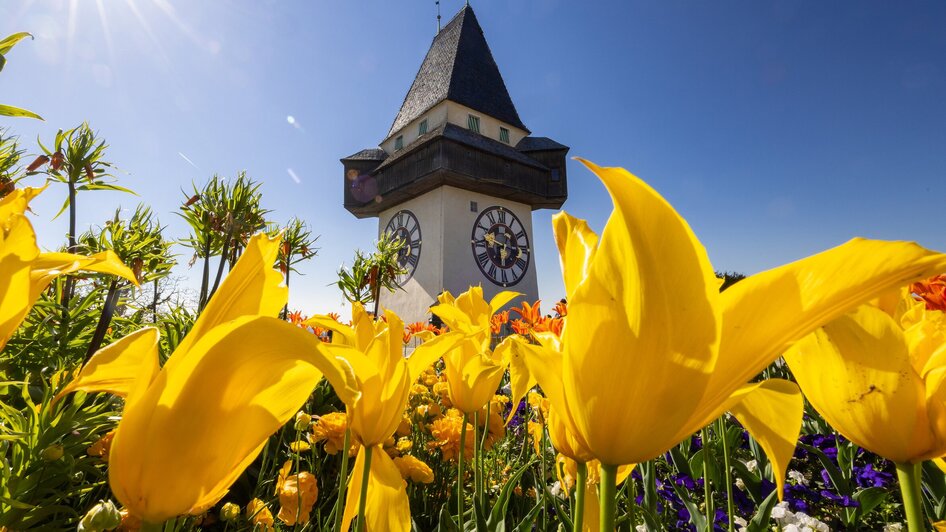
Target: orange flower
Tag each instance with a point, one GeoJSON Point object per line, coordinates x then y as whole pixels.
{"type": "Point", "coordinates": [259, 516]}
{"type": "Point", "coordinates": [295, 317]}
{"type": "Point", "coordinates": [496, 321]}
{"type": "Point", "coordinates": [101, 447]}
{"type": "Point", "coordinates": [414, 469]}
{"type": "Point", "coordinates": [561, 308]}
{"type": "Point", "coordinates": [933, 291]}
{"type": "Point", "coordinates": [521, 327]}
{"type": "Point", "coordinates": [297, 495]}
{"type": "Point", "coordinates": [446, 432]}
{"type": "Point", "coordinates": [331, 428]}
{"type": "Point", "coordinates": [530, 313]}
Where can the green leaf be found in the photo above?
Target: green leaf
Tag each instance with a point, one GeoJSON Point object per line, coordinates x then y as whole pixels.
{"type": "Point", "coordinates": [840, 483]}
{"type": "Point", "coordinates": [10, 41]}
{"type": "Point", "coordinates": [869, 498]}
{"type": "Point", "coordinates": [760, 521]}
{"type": "Point", "coordinates": [696, 515]}
{"type": "Point", "coordinates": [529, 520]}
{"type": "Point", "coordinates": [446, 523]}
{"type": "Point", "coordinates": [9, 110]}
{"type": "Point", "coordinates": [498, 514]}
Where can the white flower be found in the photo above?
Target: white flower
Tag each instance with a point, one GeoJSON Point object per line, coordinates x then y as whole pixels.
{"type": "Point", "coordinates": [557, 491]}
{"type": "Point", "coordinates": [791, 528]}
{"type": "Point", "coordinates": [752, 465]}
{"type": "Point", "coordinates": [893, 527]}
{"type": "Point", "coordinates": [781, 511]}
{"type": "Point", "coordinates": [740, 485]}
{"type": "Point", "coordinates": [798, 477]}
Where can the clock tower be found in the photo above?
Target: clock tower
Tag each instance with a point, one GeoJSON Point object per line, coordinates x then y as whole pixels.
{"type": "Point", "coordinates": [457, 178]}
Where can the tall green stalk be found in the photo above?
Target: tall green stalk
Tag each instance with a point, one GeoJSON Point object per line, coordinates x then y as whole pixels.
{"type": "Point", "coordinates": [460, 517]}
{"type": "Point", "coordinates": [909, 477]}
{"type": "Point", "coordinates": [730, 511]}
{"type": "Point", "coordinates": [707, 485]}
{"type": "Point", "coordinates": [582, 478]}
{"type": "Point", "coordinates": [342, 482]}
{"type": "Point", "coordinates": [363, 498]}
{"type": "Point", "coordinates": [608, 506]}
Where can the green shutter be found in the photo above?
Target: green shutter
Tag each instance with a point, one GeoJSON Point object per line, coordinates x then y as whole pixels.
{"type": "Point", "coordinates": [504, 135]}
{"type": "Point", "coordinates": [422, 128]}
{"type": "Point", "coordinates": [399, 142]}
{"type": "Point", "coordinates": [474, 124]}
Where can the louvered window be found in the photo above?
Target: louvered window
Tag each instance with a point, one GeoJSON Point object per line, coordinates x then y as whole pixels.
{"type": "Point", "coordinates": [504, 135]}
{"type": "Point", "coordinates": [399, 143]}
{"type": "Point", "coordinates": [474, 124]}
{"type": "Point", "coordinates": [422, 128]}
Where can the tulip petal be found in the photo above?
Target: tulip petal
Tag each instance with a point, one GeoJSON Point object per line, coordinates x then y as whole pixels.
{"type": "Point", "coordinates": [342, 334]}
{"type": "Point", "coordinates": [642, 330]}
{"type": "Point", "coordinates": [857, 373]}
{"type": "Point", "coordinates": [191, 434]}
{"type": "Point", "coordinates": [764, 313]}
{"type": "Point", "coordinates": [387, 506]}
{"type": "Point", "coordinates": [253, 287]}
{"type": "Point", "coordinates": [124, 368]}
{"type": "Point", "coordinates": [576, 247]}
{"type": "Point", "coordinates": [430, 351]}
{"type": "Point", "coordinates": [501, 299]}
{"type": "Point", "coordinates": [48, 266]}
{"type": "Point", "coordinates": [520, 379]}
{"type": "Point", "coordinates": [18, 249]}
{"type": "Point", "coordinates": [772, 412]}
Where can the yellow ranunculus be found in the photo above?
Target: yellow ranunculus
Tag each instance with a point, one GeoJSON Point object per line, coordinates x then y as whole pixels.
{"type": "Point", "coordinates": [652, 352]}
{"type": "Point", "coordinates": [297, 494]}
{"type": "Point", "coordinates": [189, 429]}
{"type": "Point", "coordinates": [374, 352]}
{"type": "Point", "coordinates": [25, 272]}
{"type": "Point", "coordinates": [472, 369]}
{"type": "Point", "coordinates": [879, 379]}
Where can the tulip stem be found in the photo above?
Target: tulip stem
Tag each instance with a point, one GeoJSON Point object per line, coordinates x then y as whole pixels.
{"type": "Point", "coordinates": [342, 482]}
{"type": "Point", "coordinates": [909, 477]}
{"type": "Point", "coordinates": [151, 527]}
{"type": "Point", "coordinates": [730, 512]}
{"type": "Point", "coordinates": [707, 485]}
{"type": "Point", "coordinates": [579, 511]}
{"type": "Point", "coordinates": [608, 495]}
{"type": "Point", "coordinates": [476, 458]}
{"type": "Point", "coordinates": [363, 498]}
{"type": "Point", "coordinates": [460, 517]}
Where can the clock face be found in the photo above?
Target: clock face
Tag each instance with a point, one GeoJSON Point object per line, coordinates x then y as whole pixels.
{"type": "Point", "coordinates": [500, 246]}
{"type": "Point", "coordinates": [404, 225]}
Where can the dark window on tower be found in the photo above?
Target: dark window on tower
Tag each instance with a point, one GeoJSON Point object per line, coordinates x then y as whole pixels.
{"type": "Point", "coordinates": [399, 142]}
{"type": "Point", "coordinates": [473, 207]}
{"type": "Point", "coordinates": [504, 135]}
{"type": "Point", "coordinates": [474, 124]}
{"type": "Point", "coordinates": [555, 175]}
{"type": "Point", "coordinates": [422, 128]}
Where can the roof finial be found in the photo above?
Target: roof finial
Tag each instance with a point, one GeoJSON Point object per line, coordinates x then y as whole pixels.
{"type": "Point", "coordinates": [438, 15]}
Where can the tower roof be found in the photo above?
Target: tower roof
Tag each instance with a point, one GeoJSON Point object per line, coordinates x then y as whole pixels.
{"type": "Point", "coordinates": [459, 67]}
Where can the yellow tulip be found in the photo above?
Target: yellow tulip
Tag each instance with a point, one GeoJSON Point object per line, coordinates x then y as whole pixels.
{"type": "Point", "coordinates": [189, 429]}
{"type": "Point", "coordinates": [472, 369]}
{"type": "Point", "coordinates": [25, 271]}
{"type": "Point", "coordinates": [879, 380]}
{"type": "Point", "coordinates": [383, 379]}
{"type": "Point", "coordinates": [652, 351]}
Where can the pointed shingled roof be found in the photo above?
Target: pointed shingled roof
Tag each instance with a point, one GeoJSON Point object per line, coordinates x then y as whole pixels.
{"type": "Point", "coordinates": [459, 67]}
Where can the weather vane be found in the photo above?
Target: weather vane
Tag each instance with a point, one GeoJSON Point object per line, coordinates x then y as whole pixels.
{"type": "Point", "coordinates": [438, 15]}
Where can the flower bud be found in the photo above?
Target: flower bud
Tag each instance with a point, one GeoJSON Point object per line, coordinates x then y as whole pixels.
{"type": "Point", "coordinates": [102, 516]}
{"type": "Point", "coordinates": [303, 421]}
{"type": "Point", "coordinates": [52, 453]}
{"type": "Point", "coordinates": [229, 513]}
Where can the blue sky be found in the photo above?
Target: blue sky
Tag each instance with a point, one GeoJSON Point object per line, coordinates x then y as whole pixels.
{"type": "Point", "coordinates": [776, 129]}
